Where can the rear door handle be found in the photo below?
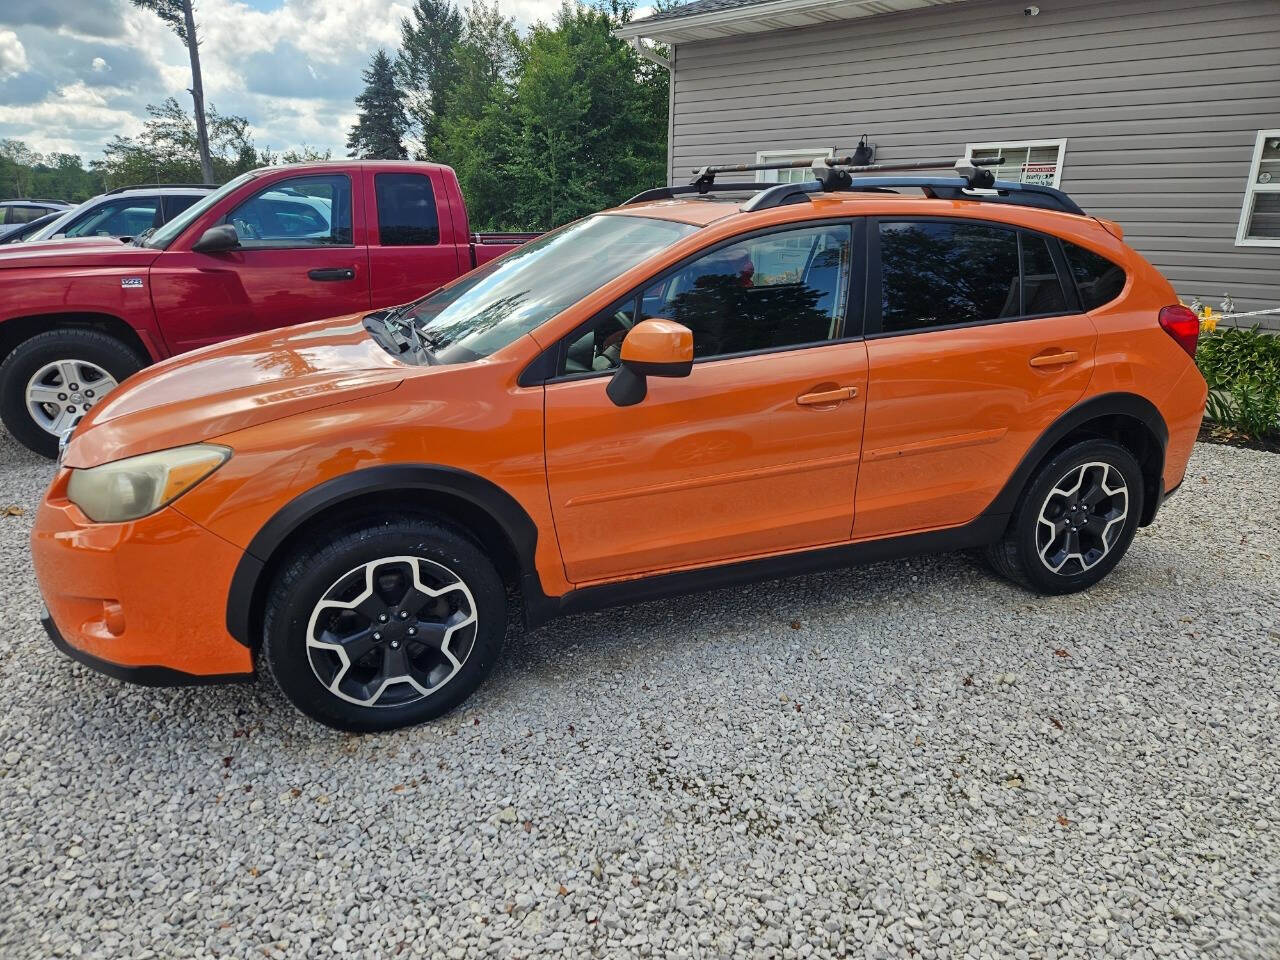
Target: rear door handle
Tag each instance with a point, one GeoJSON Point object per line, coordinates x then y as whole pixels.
{"type": "Point", "coordinates": [824, 397]}
{"type": "Point", "coordinates": [333, 273]}
{"type": "Point", "coordinates": [1054, 359]}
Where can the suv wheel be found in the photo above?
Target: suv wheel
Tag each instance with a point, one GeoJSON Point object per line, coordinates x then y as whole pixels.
{"type": "Point", "coordinates": [1075, 521]}
{"type": "Point", "coordinates": [386, 625]}
{"type": "Point", "coordinates": [49, 382]}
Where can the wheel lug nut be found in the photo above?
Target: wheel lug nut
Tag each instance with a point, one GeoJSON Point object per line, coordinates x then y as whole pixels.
{"type": "Point", "coordinates": [88, 393]}
{"type": "Point", "coordinates": [413, 631]}
{"type": "Point", "coordinates": [404, 614]}
{"type": "Point", "coordinates": [377, 636]}
{"type": "Point", "coordinates": [62, 397]}
{"type": "Point", "coordinates": [382, 618]}
{"type": "Point", "coordinates": [75, 387]}
{"type": "Point", "coordinates": [395, 644]}
{"type": "Point", "coordinates": [71, 409]}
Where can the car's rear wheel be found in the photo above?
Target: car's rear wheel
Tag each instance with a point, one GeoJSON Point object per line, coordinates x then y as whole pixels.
{"type": "Point", "coordinates": [388, 624]}
{"type": "Point", "coordinates": [49, 382]}
{"type": "Point", "coordinates": [1075, 521]}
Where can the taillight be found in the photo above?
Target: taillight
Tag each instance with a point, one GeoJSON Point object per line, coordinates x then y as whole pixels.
{"type": "Point", "coordinates": [1183, 325]}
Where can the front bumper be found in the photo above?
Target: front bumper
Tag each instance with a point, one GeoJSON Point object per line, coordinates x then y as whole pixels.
{"type": "Point", "coordinates": [143, 601]}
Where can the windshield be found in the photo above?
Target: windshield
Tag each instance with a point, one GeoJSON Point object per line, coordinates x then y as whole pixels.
{"type": "Point", "coordinates": [166, 234]}
{"type": "Point", "coordinates": [505, 299]}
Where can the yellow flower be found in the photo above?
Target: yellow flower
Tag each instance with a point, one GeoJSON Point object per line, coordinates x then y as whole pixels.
{"type": "Point", "coordinates": [1208, 323]}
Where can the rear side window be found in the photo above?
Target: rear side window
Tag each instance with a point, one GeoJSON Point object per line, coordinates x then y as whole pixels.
{"type": "Point", "coordinates": [1098, 279]}
{"type": "Point", "coordinates": [406, 210]}
{"type": "Point", "coordinates": [25, 214]}
{"type": "Point", "coordinates": [175, 204]}
{"type": "Point", "coordinates": [936, 274]}
{"type": "Point", "coordinates": [119, 217]}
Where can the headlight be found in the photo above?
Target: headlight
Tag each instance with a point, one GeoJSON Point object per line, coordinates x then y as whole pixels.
{"type": "Point", "coordinates": [132, 488]}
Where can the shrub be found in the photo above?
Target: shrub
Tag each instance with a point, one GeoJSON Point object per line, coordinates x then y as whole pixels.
{"type": "Point", "coordinates": [1242, 368]}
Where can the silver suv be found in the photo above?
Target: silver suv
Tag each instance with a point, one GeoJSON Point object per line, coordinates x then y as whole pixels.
{"type": "Point", "coordinates": [124, 212]}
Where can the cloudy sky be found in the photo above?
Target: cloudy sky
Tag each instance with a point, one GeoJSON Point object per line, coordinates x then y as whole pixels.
{"type": "Point", "coordinates": [73, 73]}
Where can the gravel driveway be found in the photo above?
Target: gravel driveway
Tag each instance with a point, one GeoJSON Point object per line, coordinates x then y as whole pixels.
{"type": "Point", "coordinates": [910, 760]}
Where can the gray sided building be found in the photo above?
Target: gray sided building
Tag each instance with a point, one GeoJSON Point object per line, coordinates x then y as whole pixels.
{"type": "Point", "coordinates": [1163, 115]}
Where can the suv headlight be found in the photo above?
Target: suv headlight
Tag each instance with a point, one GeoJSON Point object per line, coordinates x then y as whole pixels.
{"type": "Point", "coordinates": [132, 488]}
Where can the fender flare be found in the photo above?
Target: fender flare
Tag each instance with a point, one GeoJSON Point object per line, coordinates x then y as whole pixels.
{"type": "Point", "coordinates": [500, 506]}
{"type": "Point", "coordinates": [1104, 405]}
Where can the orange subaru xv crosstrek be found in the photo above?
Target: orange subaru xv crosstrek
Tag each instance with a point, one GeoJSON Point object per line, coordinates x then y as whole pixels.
{"type": "Point", "coordinates": [671, 395]}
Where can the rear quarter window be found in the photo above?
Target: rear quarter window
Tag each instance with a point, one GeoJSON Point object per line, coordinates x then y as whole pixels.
{"type": "Point", "coordinates": [1098, 279]}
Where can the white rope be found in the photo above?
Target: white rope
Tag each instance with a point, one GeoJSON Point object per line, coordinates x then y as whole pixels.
{"type": "Point", "coordinates": [1252, 313]}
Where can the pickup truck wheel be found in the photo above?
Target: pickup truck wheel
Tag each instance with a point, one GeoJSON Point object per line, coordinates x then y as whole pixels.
{"type": "Point", "coordinates": [49, 382]}
{"type": "Point", "coordinates": [389, 624]}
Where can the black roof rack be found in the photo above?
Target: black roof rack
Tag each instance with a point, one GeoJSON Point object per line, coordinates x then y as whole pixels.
{"type": "Point", "coordinates": [164, 186]}
{"type": "Point", "coordinates": [973, 181]}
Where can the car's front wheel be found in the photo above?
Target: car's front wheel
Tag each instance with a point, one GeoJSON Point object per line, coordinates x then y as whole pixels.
{"type": "Point", "coordinates": [49, 382]}
{"type": "Point", "coordinates": [388, 624]}
{"type": "Point", "coordinates": [1075, 521]}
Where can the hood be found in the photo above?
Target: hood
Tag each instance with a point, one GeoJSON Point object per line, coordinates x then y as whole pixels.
{"type": "Point", "coordinates": [76, 252]}
{"type": "Point", "coordinates": [235, 385]}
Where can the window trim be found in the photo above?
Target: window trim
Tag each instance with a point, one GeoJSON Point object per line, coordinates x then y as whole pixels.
{"type": "Point", "coordinates": [1251, 190]}
{"type": "Point", "coordinates": [874, 319]}
{"type": "Point", "coordinates": [289, 244]}
{"type": "Point", "coordinates": [856, 302]}
{"type": "Point", "coordinates": [788, 153]}
{"type": "Point", "coordinates": [1061, 144]}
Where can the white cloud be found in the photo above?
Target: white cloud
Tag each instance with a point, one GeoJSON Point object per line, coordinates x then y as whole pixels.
{"type": "Point", "coordinates": [292, 70]}
{"type": "Point", "coordinates": [13, 55]}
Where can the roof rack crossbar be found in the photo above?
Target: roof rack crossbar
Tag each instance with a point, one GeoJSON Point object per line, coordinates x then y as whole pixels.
{"type": "Point", "coordinates": [161, 186]}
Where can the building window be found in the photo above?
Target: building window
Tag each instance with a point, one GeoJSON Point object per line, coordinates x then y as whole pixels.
{"type": "Point", "coordinates": [799, 174]}
{"type": "Point", "coordinates": [1260, 216]}
{"type": "Point", "coordinates": [1031, 161]}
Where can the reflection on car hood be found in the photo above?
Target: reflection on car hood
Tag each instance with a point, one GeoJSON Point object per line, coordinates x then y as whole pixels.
{"type": "Point", "coordinates": [235, 385]}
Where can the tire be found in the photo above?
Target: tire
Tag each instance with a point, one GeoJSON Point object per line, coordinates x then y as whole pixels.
{"type": "Point", "coordinates": [1075, 520]}
{"type": "Point", "coordinates": [338, 662]}
{"type": "Point", "coordinates": [56, 359]}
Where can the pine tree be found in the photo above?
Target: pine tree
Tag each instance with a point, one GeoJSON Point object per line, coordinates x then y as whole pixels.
{"type": "Point", "coordinates": [427, 66]}
{"type": "Point", "coordinates": [380, 127]}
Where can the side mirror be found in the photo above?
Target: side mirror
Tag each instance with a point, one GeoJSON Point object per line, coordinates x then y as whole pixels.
{"type": "Point", "coordinates": [652, 348]}
{"type": "Point", "coordinates": [217, 240]}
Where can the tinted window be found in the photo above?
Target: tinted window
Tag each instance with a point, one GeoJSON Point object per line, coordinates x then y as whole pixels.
{"type": "Point", "coordinates": [1098, 279]}
{"type": "Point", "coordinates": [778, 290]}
{"type": "Point", "coordinates": [121, 217]}
{"type": "Point", "coordinates": [302, 212]}
{"type": "Point", "coordinates": [1041, 289]}
{"type": "Point", "coordinates": [174, 205]}
{"type": "Point", "coordinates": [406, 210]}
{"type": "Point", "coordinates": [943, 274]}
{"type": "Point", "coordinates": [25, 214]}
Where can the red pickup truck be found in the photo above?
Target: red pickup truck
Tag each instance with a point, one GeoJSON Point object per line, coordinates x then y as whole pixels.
{"type": "Point", "coordinates": [274, 247]}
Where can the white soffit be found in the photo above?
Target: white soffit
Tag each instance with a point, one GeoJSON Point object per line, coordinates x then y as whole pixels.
{"type": "Point", "coordinates": [764, 17]}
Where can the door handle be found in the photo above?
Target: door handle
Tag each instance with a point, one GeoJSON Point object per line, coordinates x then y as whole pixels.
{"type": "Point", "coordinates": [333, 273]}
{"type": "Point", "coordinates": [1054, 359]}
{"type": "Point", "coordinates": [824, 397]}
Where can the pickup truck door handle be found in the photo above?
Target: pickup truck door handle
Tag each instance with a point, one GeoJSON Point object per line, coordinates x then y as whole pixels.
{"type": "Point", "coordinates": [1058, 358]}
{"type": "Point", "coordinates": [825, 397]}
{"type": "Point", "coordinates": [333, 273]}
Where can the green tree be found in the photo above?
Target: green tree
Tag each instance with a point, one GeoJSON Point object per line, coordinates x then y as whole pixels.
{"type": "Point", "coordinates": [168, 150]}
{"type": "Point", "coordinates": [479, 125]}
{"type": "Point", "coordinates": [380, 128]}
{"type": "Point", "coordinates": [180, 16]}
{"type": "Point", "coordinates": [592, 118]}
{"type": "Point", "coordinates": [427, 67]}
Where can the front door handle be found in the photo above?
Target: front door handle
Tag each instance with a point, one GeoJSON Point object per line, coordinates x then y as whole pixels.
{"type": "Point", "coordinates": [333, 273]}
{"type": "Point", "coordinates": [1059, 359]}
{"type": "Point", "coordinates": [824, 397]}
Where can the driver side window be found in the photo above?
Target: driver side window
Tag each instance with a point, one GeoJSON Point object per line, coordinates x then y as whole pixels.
{"type": "Point", "coordinates": [310, 211]}
{"type": "Point", "coordinates": [782, 289]}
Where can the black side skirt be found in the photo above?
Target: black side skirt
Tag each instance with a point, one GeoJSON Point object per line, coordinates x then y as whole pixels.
{"type": "Point", "coordinates": [147, 676]}
{"type": "Point", "coordinates": [540, 608]}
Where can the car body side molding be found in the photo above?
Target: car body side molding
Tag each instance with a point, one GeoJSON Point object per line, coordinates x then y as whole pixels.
{"type": "Point", "coordinates": [500, 506]}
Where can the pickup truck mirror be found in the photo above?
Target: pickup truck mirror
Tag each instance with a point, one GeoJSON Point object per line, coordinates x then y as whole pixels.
{"type": "Point", "coordinates": [652, 348]}
{"type": "Point", "coordinates": [217, 239]}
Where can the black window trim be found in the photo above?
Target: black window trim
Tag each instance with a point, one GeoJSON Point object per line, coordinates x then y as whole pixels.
{"type": "Point", "coordinates": [552, 358]}
{"type": "Point", "coordinates": [288, 244]}
{"type": "Point", "coordinates": [874, 305]}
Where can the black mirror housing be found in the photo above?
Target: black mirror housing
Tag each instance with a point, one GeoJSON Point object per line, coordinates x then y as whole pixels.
{"type": "Point", "coordinates": [217, 240]}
